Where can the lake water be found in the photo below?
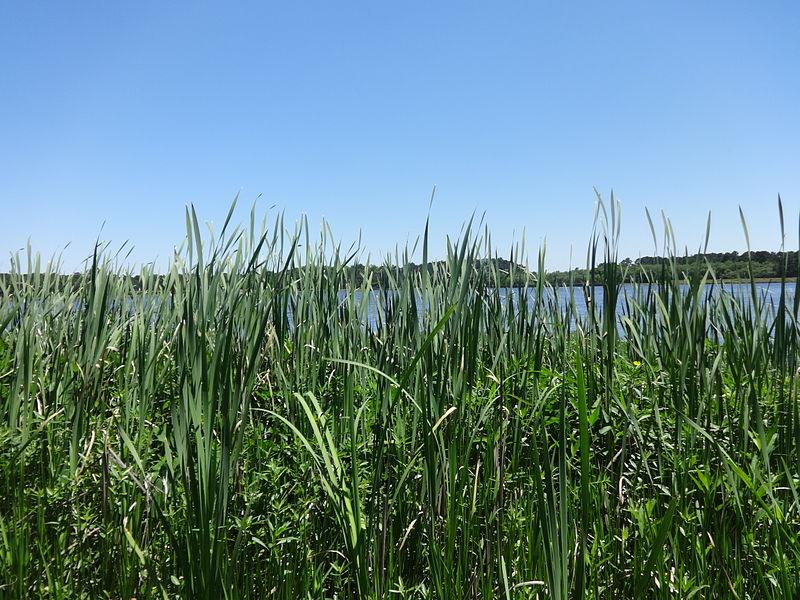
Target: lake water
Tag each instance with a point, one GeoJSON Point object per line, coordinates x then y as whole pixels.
{"type": "Point", "coordinates": [768, 294]}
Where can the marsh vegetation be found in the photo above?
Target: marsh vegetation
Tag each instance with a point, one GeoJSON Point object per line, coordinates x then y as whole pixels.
{"type": "Point", "coordinates": [184, 437]}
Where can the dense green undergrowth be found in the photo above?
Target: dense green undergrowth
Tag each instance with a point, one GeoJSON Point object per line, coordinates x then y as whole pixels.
{"type": "Point", "coordinates": [240, 428]}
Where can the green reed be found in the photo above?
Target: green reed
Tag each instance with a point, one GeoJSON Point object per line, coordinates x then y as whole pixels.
{"type": "Point", "coordinates": [265, 421]}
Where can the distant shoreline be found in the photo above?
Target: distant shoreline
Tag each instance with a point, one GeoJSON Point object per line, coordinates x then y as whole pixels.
{"type": "Point", "coordinates": [776, 280]}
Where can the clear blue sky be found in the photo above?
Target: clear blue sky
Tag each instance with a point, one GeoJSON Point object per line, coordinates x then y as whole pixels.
{"type": "Point", "coordinates": [124, 112]}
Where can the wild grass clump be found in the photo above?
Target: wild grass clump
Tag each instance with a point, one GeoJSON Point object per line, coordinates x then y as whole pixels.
{"type": "Point", "coordinates": [259, 422]}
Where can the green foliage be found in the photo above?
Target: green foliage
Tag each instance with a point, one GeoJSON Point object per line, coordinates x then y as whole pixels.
{"type": "Point", "coordinates": [268, 420]}
{"type": "Point", "coordinates": [726, 266]}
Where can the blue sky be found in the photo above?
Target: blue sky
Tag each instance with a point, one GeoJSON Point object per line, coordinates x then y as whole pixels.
{"type": "Point", "coordinates": [122, 113]}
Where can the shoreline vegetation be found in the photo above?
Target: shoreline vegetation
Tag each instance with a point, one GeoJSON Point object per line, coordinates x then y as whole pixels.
{"type": "Point", "coordinates": [177, 435]}
{"type": "Point", "coordinates": [726, 268]}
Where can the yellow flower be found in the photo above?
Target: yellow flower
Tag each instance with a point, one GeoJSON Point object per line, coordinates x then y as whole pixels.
{"type": "Point", "coordinates": [636, 363]}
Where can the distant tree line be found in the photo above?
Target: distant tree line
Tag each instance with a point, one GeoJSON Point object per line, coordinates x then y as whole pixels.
{"type": "Point", "coordinates": [727, 266]}
{"type": "Point", "coordinates": [496, 272]}
{"type": "Point", "coordinates": [490, 272]}
{"type": "Point", "coordinates": [500, 272]}
{"type": "Point", "coordinates": [57, 281]}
